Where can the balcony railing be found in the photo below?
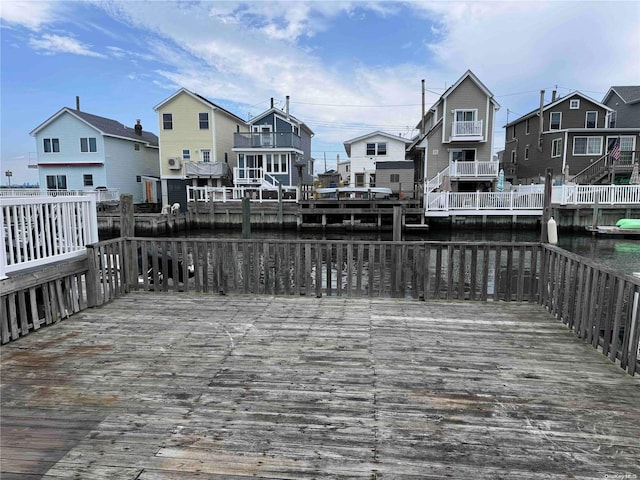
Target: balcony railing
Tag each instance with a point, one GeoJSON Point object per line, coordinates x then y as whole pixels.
{"type": "Point", "coordinates": [266, 140]}
{"type": "Point", "coordinates": [474, 169]}
{"type": "Point", "coordinates": [466, 129]}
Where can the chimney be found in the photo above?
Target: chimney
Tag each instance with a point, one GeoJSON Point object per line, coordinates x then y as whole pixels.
{"type": "Point", "coordinates": [422, 129]}
{"type": "Point", "coordinates": [138, 128]}
{"type": "Point", "coordinates": [286, 106]}
{"type": "Point", "coordinates": [553, 96]}
{"type": "Point", "coordinates": [77, 103]}
{"type": "Point", "coordinates": [271, 102]}
{"type": "Point", "coordinates": [541, 121]}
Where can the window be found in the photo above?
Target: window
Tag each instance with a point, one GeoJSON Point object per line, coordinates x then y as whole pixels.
{"type": "Point", "coordinates": [587, 145]}
{"type": "Point", "coordinates": [203, 119]}
{"type": "Point", "coordinates": [88, 145]}
{"type": "Point", "coordinates": [612, 119]}
{"type": "Point", "coordinates": [465, 115]}
{"type": "Point", "coordinates": [513, 132]}
{"type": "Point", "coordinates": [136, 147]}
{"type": "Point", "coordinates": [186, 154]}
{"type": "Point", "coordinates": [574, 104]}
{"type": "Point", "coordinates": [276, 163]}
{"type": "Point", "coordinates": [526, 152]}
{"type": "Point", "coordinates": [591, 120]}
{"type": "Point", "coordinates": [394, 178]}
{"type": "Point", "coordinates": [627, 146]}
{"type": "Point", "coordinates": [556, 148]}
{"type": "Point", "coordinates": [56, 182]}
{"type": "Point", "coordinates": [526, 127]}
{"type": "Point", "coordinates": [205, 156]}
{"type": "Point", "coordinates": [555, 120]}
{"type": "Point", "coordinates": [87, 180]}
{"type": "Point", "coordinates": [51, 145]}
{"type": "Point", "coordinates": [376, 148]}
{"type": "Point", "coordinates": [463, 155]}
{"type": "Point", "coordinates": [167, 121]}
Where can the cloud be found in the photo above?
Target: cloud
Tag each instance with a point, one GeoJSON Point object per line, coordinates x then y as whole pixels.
{"type": "Point", "coordinates": [52, 44]}
{"type": "Point", "coordinates": [32, 15]}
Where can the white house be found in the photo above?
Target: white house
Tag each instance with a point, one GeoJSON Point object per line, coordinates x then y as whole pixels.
{"type": "Point", "coordinates": [364, 151]}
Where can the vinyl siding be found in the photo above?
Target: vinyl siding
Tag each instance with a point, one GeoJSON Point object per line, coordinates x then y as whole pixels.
{"type": "Point", "coordinates": [468, 96]}
{"type": "Point", "coordinates": [628, 115]}
{"type": "Point", "coordinates": [363, 163]}
{"type": "Point", "coordinates": [124, 164]}
{"type": "Point", "coordinates": [436, 162]}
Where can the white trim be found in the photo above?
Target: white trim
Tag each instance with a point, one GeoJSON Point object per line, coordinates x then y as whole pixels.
{"type": "Point", "coordinates": [212, 124]}
{"type": "Point", "coordinates": [514, 156]}
{"type": "Point", "coordinates": [526, 152]}
{"type": "Point", "coordinates": [587, 153]}
{"type": "Point", "coordinates": [486, 126]}
{"type": "Point", "coordinates": [462, 149]}
{"type": "Point", "coordinates": [202, 152]}
{"type": "Point", "coordinates": [577, 105]}
{"type": "Point", "coordinates": [564, 150]}
{"type": "Point", "coordinates": [444, 118]}
{"type": "Point", "coordinates": [551, 121]}
{"type": "Point", "coordinates": [586, 118]}
{"type": "Point", "coordinates": [553, 148]}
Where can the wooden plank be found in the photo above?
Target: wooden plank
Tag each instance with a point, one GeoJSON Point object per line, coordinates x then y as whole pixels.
{"type": "Point", "coordinates": [359, 263]}
{"type": "Point", "coordinates": [4, 319]}
{"type": "Point", "coordinates": [308, 276]}
{"type": "Point", "coordinates": [328, 268]}
{"type": "Point", "coordinates": [349, 270]}
{"type": "Point", "coordinates": [35, 316]}
{"type": "Point", "coordinates": [509, 279]}
{"type": "Point", "coordinates": [497, 276]}
{"type": "Point", "coordinates": [339, 264]}
{"type": "Point", "coordinates": [372, 269]}
{"type": "Point", "coordinates": [438, 273]}
{"type": "Point", "coordinates": [318, 279]}
{"type": "Point", "coordinates": [474, 271]}
{"type": "Point", "coordinates": [427, 271]}
{"type": "Point", "coordinates": [13, 316]}
{"type": "Point", "coordinates": [462, 272]}
{"type": "Point", "coordinates": [450, 280]}
{"type": "Point", "coordinates": [534, 274]}
{"type": "Point", "coordinates": [22, 313]}
{"type": "Point", "coordinates": [257, 255]}
{"type": "Point", "coordinates": [634, 335]}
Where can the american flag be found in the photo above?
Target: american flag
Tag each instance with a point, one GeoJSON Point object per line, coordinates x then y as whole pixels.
{"type": "Point", "coordinates": [615, 150]}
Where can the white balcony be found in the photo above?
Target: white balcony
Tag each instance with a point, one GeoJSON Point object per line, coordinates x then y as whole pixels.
{"type": "Point", "coordinates": [470, 130]}
{"type": "Point", "coordinates": [474, 170]}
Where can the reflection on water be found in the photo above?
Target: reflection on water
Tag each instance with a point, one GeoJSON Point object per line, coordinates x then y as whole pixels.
{"type": "Point", "coordinates": [621, 254]}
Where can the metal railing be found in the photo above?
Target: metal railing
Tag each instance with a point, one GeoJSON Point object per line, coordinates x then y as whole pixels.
{"type": "Point", "coordinates": [38, 231]}
{"type": "Point", "coordinates": [266, 140]}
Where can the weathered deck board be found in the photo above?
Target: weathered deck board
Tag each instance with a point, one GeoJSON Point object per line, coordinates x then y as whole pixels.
{"type": "Point", "coordinates": [156, 386]}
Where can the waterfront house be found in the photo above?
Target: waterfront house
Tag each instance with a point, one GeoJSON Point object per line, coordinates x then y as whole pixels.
{"type": "Point", "coordinates": [366, 151]}
{"type": "Point", "coordinates": [77, 150]}
{"type": "Point", "coordinates": [274, 150]}
{"type": "Point", "coordinates": [625, 102]}
{"type": "Point", "coordinates": [573, 136]}
{"type": "Point", "coordinates": [196, 137]}
{"type": "Point", "coordinates": [455, 144]}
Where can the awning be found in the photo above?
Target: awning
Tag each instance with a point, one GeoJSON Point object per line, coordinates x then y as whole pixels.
{"type": "Point", "coordinates": [207, 170]}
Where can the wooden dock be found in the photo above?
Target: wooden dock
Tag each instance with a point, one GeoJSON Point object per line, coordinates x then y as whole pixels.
{"type": "Point", "coordinates": [184, 386]}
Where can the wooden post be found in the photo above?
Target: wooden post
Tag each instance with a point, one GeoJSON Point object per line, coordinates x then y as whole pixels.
{"type": "Point", "coordinates": [596, 212]}
{"type": "Point", "coordinates": [546, 209]}
{"type": "Point", "coordinates": [246, 218]}
{"type": "Point", "coordinates": [92, 281]}
{"type": "Point", "coordinates": [280, 205]}
{"type": "Point", "coordinates": [127, 219]}
{"type": "Point", "coordinates": [397, 223]}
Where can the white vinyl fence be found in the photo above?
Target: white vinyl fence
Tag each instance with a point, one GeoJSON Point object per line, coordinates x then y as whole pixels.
{"type": "Point", "coordinates": [41, 230]}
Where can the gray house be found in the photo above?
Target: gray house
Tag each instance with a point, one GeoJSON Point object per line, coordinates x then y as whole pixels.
{"type": "Point", "coordinates": [571, 136]}
{"type": "Point", "coordinates": [275, 151]}
{"type": "Point", "coordinates": [625, 102]}
{"type": "Point", "coordinates": [396, 175]}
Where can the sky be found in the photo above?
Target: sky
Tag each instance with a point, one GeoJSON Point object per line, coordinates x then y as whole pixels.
{"type": "Point", "coordinates": [349, 67]}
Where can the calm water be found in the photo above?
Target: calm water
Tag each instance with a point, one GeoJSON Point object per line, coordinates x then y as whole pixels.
{"type": "Point", "coordinates": [622, 255]}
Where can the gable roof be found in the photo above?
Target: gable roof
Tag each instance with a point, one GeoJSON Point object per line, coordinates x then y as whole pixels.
{"type": "Point", "coordinates": [628, 94]}
{"type": "Point", "coordinates": [106, 126]}
{"type": "Point", "coordinates": [468, 74]}
{"type": "Point", "coordinates": [282, 113]}
{"type": "Point", "coordinates": [347, 143]}
{"type": "Point", "coordinates": [199, 98]}
{"type": "Point", "coordinates": [558, 101]}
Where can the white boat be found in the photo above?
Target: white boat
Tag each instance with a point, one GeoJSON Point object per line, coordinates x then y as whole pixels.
{"type": "Point", "coordinates": [354, 191]}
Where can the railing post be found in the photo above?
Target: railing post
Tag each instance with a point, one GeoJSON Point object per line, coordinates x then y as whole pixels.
{"type": "Point", "coordinates": [127, 219]}
{"type": "Point", "coordinates": [92, 282]}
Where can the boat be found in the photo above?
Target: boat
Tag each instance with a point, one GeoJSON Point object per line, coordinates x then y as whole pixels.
{"type": "Point", "coordinates": [354, 192]}
{"type": "Point", "coordinates": [626, 227]}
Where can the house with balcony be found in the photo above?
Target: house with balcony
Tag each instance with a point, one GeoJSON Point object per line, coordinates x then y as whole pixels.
{"type": "Point", "coordinates": [273, 151]}
{"type": "Point", "coordinates": [367, 152]}
{"type": "Point", "coordinates": [81, 151]}
{"type": "Point", "coordinates": [196, 141]}
{"type": "Point", "coordinates": [455, 144]}
{"type": "Point", "coordinates": [573, 135]}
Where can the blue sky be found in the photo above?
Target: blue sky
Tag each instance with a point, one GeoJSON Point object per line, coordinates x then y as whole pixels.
{"type": "Point", "coordinates": [349, 67]}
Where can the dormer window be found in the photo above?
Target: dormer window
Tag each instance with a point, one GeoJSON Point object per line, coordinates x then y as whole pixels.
{"type": "Point", "coordinates": [574, 104]}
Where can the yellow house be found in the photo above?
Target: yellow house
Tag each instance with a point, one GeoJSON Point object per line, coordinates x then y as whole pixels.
{"type": "Point", "coordinates": [196, 141]}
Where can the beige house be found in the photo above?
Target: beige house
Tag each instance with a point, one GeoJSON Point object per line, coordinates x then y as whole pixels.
{"type": "Point", "coordinates": [196, 141]}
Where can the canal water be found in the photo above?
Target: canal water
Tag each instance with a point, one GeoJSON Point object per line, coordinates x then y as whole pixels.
{"type": "Point", "coordinates": [621, 254]}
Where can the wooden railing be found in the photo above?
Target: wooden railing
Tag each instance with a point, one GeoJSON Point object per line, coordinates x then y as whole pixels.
{"type": "Point", "coordinates": [599, 304]}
